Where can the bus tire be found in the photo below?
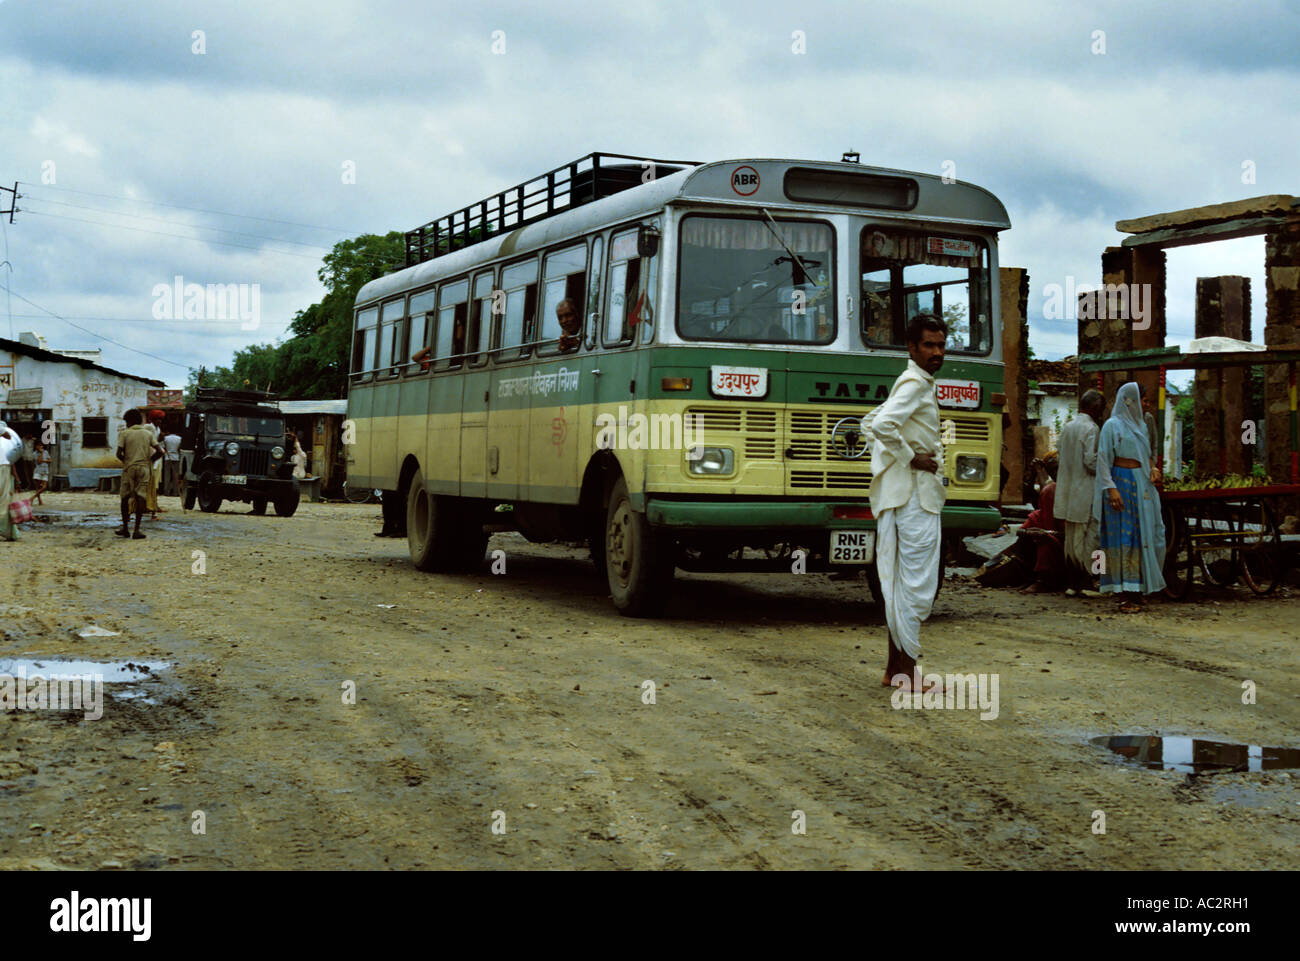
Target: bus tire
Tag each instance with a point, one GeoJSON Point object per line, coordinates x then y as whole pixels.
{"type": "Point", "coordinates": [639, 560]}
{"type": "Point", "coordinates": [431, 528]}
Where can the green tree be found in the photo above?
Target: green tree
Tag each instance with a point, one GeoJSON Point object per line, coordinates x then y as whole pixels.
{"type": "Point", "coordinates": [312, 362]}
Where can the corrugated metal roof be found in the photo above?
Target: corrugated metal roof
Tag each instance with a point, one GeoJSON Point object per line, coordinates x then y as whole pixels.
{"type": "Point", "coordinates": [314, 407]}
{"type": "Point", "coordinates": [36, 353]}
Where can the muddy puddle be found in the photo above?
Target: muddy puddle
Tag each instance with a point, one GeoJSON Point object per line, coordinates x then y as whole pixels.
{"type": "Point", "coordinates": [1189, 755]}
{"type": "Point", "coordinates": [126, 676]}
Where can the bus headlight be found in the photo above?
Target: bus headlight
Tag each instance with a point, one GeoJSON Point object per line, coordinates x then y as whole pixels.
{"type": "Point", "coordinates": [232, 448]}
{"type": "Point", "coordinates": [972, 470]}
{"type": "Point", "coordinates": [277, 452]}
{"type": "Point", "coordinates": [711, 460]}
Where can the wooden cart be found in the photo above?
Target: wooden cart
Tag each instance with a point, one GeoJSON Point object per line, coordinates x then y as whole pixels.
{"type": "Point", "coordinates": [1226, 533]}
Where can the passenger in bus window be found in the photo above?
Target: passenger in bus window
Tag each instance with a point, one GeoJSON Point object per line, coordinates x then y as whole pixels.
{"type": "Point", "coordinates": [570, 325]}
{"type": "Point", "coordinates": [422, 357]}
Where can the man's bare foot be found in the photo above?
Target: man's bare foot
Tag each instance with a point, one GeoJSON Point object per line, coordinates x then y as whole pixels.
{"type": "Point", "coordinates": [905, 682]}
{"type": "Point", "coordinates": [1034, 588]}
{"type": "Point", "coordinates": [137, 536]}
{"type": "Point", "coordinates": [122, 532]}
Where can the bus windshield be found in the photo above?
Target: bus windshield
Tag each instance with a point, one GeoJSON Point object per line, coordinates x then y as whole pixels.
{"type": "Point", "coordinates": [755, 280]}
{"type": "Point", "coordinates": [907, 272]}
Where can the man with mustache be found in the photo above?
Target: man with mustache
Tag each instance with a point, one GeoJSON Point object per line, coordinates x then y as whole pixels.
{"type": "Point", "coordinates": [907, 495]}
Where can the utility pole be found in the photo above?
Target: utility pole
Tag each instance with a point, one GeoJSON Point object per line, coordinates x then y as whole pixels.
{"type": "Point", "coordinates": [13, 204]}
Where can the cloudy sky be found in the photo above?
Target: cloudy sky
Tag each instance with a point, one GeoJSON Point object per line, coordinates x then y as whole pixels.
{"type": "Point", "coordinates": [135, 151]}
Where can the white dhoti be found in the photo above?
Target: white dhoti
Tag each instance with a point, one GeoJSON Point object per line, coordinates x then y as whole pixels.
{"type": "Point", "coordinates": [8, 529]}
{"type": "Point", "coordinates": [907, 562]}
{"type": "Point", "coordinates": [1081, 540]}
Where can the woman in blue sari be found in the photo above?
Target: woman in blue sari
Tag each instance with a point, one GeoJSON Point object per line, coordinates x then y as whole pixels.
{"type": "Point", "coordinates": [1127, 505]}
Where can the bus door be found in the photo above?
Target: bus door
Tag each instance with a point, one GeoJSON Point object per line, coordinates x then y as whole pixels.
{"type": "Point", "coordinates": [554, 432]}
{"type": "Point", "coordinates": [509, 399]}
{"type": "Point", "coordinates": [628, 320]}
{"type": "Point", "coordinates": [476, 394]}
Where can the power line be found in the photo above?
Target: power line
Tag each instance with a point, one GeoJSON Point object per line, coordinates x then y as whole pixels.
{"type": "Point", "coordinates": [219, 213]}
{"type": "Point", "coordinates": [161, 233]}
{"type": "Point", "coordinates": [108, 340]}
{"type": "Point", "coordinates": [176, 223]}
{"type": "Point", "coordinates": [137, 320]}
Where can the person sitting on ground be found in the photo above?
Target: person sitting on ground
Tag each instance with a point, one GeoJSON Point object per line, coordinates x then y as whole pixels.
{"type": "Point", "coordinates": [570, 325]}
{"type": "Point", "coordinates": [136, 449]}
{"type": "Point", "coordinates": [1041, 537]}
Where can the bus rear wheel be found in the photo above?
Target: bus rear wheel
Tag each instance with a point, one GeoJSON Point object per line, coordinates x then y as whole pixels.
{"type": "Point", "coordinates": [441, 534]}
{"type": "Point", "coordinates": [639, 560]}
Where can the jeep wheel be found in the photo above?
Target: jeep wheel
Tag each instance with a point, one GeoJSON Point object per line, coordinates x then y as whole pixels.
{"type": "Point", "coordinates": [189, 494]}
{"type": "Point", "coordinates": [209, 499]}
{"type": "Point", "coordinates": [259, 506]}
{"type": "Point", "coordinates": [639, 560]}
{"type": "Point", "coordinates": [285, 504]}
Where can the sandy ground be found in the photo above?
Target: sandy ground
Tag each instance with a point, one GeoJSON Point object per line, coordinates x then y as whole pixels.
{"type": "Point", "coordinates": [522, 694]}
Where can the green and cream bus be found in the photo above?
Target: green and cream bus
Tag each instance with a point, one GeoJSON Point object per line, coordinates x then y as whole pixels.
{"type": "Point", "coordinates": [737, 320]}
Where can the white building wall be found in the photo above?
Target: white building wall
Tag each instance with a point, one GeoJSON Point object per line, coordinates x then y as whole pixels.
{"type": "Point", "coordinates": [71, 392]}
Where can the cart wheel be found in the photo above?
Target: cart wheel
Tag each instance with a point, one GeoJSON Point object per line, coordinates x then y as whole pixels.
{"type": "Point", "coordinates": [1180, 557]}
{"type": "Point", "coordinates": [1221, 566]}
{"type": "Point", "coordinates": [1262, 564]}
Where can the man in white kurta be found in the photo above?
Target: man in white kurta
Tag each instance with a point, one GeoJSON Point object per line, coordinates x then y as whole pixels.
{"type": "Point", "coordinates": [1076, 483]}
{"type": "Point", "coordinates": [907, 495]}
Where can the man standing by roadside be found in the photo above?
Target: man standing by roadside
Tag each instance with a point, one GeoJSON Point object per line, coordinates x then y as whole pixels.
{"type": "Point", "coordinates": [907, 495]}
{"type": "Point", "coordinates": [1075, 484]}
{"type": "Point", "coordinates": [11, 446]}
{"type": "Point", "coordinates": [136, 449]}
{"type": "Point", "coordinates": [172, 464]}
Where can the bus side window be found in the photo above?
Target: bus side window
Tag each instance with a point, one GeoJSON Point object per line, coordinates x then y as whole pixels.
{"type": "Point", "coordinates": [393, 313]}
{"type": "Point", "coordinates": [480, 323]}
{"type": "Point", "coordinates": [450, 347]}
{"type": "Point", "coordinates": [421, 324]}
{"type": "Point", "coordinates": [520, 285]}
{"type": "Point", "coordinates": [363, 345]}
{"type": "Point", "coordinates": [591, 311]}
{"type": "Point", "coordinates": [565, 279]}
{"type": "Point", "coordinates": [628, 299]}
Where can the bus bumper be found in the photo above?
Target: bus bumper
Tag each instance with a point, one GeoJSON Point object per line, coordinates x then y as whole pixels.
{"type": "Point", "coordinates": [799, 515]}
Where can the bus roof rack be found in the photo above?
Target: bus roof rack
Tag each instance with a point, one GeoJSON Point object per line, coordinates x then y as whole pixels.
{"type": "Point", "coordinates": [571, 185]}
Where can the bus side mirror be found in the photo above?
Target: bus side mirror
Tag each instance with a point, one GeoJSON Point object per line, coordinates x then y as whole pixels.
{"type": "Point", "coordinates": [647, 240]}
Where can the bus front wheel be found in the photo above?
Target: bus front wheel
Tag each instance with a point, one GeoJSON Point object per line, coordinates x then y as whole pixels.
{"type": "Point", "coordinates": [638, 560]}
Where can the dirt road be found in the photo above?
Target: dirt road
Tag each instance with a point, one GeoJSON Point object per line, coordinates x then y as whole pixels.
{"type": "Point", "coordinates": [524, 694]}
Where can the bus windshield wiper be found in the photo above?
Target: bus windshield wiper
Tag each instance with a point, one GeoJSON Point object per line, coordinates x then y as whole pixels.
{"type": "Point", "coordinates": [771, 225]}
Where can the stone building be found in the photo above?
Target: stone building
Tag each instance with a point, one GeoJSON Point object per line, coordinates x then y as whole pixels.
{"type": "Point", "coordinates": [68, 396]}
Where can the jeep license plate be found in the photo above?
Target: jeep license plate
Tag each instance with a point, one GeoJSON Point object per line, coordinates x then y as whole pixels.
{"type": "Point", "coordinates": [234, 479]}
{"type": "Point", "coordinates": [853, 547]}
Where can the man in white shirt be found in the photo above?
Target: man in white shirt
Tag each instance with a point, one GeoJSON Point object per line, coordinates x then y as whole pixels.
{"type": "Point", "coordinates": [907, 495]}
{"type": "Point", "coordinates": [1076, 483]}
{"type": "Point", "coordinates": [172, 464]}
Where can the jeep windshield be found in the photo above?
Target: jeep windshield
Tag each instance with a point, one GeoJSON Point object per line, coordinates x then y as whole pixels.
{"type": "Point", "coordinates": [245, 426]}
{"type": "Point", "coordinates": [756, 280]}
